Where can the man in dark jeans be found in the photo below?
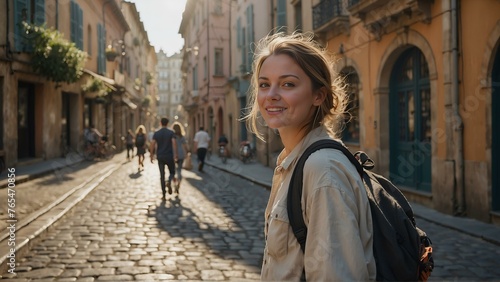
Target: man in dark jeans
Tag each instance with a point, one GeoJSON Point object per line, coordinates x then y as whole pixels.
{"type": "Point", "coordinates": [164, 145]}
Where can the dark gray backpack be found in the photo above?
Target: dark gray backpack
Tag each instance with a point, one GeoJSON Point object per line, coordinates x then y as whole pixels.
{"type": "Point", "coordinates": [402, 251]}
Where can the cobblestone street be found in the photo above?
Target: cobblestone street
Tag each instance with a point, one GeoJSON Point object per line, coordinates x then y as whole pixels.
{"type": "Point", "coordinates": [213, 230]}
{"type": "Point", "coordinates": [123, 231]}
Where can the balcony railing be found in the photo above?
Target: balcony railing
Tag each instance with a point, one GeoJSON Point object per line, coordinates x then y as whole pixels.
{"type": "Point", "coordinates": [326, 11]}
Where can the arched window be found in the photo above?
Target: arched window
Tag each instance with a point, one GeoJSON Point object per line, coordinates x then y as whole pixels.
{"type": "Point", "coordinates": [350, 134]}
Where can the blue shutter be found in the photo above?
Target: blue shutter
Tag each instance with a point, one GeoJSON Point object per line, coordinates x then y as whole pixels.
{"type": "Point", "coordinates": [250, 36]}
{"type": "Point", "coordinates": [100, 51]}
{"type": "Point", "coordinates": [281, 14]}
{"type": "Point", "coordinates": [39, 12]}
{"type": "Point", "coordinates": [19, 17]}
{"type": "Point", "coordinates": [238, 31]}
{"type": "Point", "coordinates": [72, 19]}
{"type": "Point", "coordinates": [80, 28]}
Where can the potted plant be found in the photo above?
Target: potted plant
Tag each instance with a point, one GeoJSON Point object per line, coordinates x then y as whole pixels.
{"type": "Point", "coordinates": [111, 53]}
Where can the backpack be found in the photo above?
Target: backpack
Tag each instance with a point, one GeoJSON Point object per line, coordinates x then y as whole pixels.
{"type": "Point", "coordinates": [140, 140]}
{"type": "Point", "coordinates": [402, 251]}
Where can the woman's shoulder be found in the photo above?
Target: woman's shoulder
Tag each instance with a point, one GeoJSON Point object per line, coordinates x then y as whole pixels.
{"type": "Point", "coordinates": [329, 163]}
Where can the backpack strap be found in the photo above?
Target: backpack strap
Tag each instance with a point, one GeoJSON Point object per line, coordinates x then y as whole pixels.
{"type": "Point", "coordinates": [294, 196]}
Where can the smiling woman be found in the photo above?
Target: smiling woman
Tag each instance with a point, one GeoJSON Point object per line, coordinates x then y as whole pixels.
{"type": "Point", "coordinates": [162, 20]}
{"type": "Point", "coordinates": [295, 92]}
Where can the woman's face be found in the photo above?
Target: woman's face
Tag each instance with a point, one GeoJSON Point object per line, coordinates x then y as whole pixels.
{"type": "Point", "coordinates": [285, 94]}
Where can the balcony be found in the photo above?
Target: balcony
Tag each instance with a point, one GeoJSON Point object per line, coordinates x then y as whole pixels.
{"type": "Point", "coordinates": [384, 16]}
{"type": "Point", "coordinates": [329, 18]}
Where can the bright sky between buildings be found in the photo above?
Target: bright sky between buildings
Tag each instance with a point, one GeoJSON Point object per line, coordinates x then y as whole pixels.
{"type": "Point", "coordinates": [162, 19]}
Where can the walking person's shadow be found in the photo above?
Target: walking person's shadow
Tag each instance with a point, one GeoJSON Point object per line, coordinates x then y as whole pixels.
{"type": "Point", "coordinates": [135, 175]}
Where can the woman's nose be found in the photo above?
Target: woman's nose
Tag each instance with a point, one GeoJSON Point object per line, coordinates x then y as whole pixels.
{"type": "Point", "coordinates": [273, 93]}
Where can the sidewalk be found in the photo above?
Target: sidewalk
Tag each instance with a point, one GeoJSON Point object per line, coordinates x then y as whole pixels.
{"type": "Point", "coordinates": [37, 169]}
{"type": "Point", "coordinates": [262, 175]}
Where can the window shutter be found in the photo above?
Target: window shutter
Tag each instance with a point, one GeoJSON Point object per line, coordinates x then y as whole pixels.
{"type": "Point", "coordinates": [80, 28]}
{"type": "Point", "coordinates": [19, 17]}
{"type": "Point", "coordinates": [250, 36]}
{"type": "Point", "coordinates": [238, 31]}
{"type": "Point", "coordinates": [39, 12]}
{"type": "Point", "coordinates": [73, 23]}
{"type": "Point", "coordinates": [281, 14]}
{"type": "Point", "coordinates": [100, 50]}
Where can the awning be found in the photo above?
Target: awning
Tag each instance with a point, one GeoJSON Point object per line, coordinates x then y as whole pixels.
{"type": "Point", "coordinates": [129, 103]}
{"type": "Point", "coordinates": [110, 83]}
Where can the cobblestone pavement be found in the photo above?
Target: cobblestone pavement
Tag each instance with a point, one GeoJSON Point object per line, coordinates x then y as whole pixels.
{"type": "Point", "coordinates": [123, 231]}
{"type": "Point", "coordinates": [212, 231]}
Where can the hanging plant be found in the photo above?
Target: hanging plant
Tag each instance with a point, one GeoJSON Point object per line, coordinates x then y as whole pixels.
{"type": "Point", "coordinates": [136, 41]}
{"type": "Point", "coordinates": [146, 101]}
{"type": "Point", "coordinates": [54, 57]}
{"type": "Point", "coordinates": [101, 100]}
{"type": "Point", "coordinates": [111, 53]}
{"type": "Point", "coordinates": [149, 78]}
{"type": "Point", "coordinates": [95, 85]}
{"type": "Point", "coordinates": [137, 84]}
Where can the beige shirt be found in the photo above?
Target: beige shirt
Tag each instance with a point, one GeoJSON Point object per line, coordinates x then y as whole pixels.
{"type": "Point", "coordinates": [336, 211]}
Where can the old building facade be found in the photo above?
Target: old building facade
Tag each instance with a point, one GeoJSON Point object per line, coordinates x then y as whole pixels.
{"type": "Point", "coordinates": [170, 87]}
{"type": "Point", "coordinates": [421, 75]}
{"type": "Point", "coordinates": [42, 119]}
{"type": "Point", "coordinates": [205, 65]}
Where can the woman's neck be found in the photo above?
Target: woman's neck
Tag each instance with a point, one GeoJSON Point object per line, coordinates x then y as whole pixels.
{"type": "Point", "coordinates": [291, 138]}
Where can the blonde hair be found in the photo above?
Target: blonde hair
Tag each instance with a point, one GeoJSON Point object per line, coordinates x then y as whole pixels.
{"type": "Point", "coordinates": [178, 129]}
{"type": "Point", "coordinates": [139, 128]}
{"type": "Point", "coordinates": [314, 61]}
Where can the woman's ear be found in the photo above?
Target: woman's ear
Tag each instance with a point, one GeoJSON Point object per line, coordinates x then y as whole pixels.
{"type": "Point", "coordinates": [319, 96]}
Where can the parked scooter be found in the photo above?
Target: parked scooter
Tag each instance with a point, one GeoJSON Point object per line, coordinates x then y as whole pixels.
{"type": "Point", "coordinates": [222, 153]}
{"type": "Point", "coordinates": [246, 153]}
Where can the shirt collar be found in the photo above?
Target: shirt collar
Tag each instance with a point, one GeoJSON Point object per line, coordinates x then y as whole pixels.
{"type": "Point", "coordinates": [313, 136]}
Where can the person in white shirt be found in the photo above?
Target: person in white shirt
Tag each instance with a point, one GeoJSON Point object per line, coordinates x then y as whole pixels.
{"type": "Point", "coordinates": [201, 142]}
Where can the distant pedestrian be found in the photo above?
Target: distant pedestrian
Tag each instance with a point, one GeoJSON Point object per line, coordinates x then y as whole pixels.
{"type": "Point", "coordinates": [182, 151]}
{"type": "Point", "coordinates": [140, 144]}
{"type": "Point", "coordinates": [201, 142]}
{"type": "Point", "coordinates": [129, 142]}
{"type": "Point", "coordinates": [165, 147]}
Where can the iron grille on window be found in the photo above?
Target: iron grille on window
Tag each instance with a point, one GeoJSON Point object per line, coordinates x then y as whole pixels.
{"type": "Point", "coordinates": [325, 11]}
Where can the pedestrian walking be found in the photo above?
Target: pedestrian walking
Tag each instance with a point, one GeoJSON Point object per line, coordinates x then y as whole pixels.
{"type": "Point", "coordinates": [129, 143]}
{"type": "Point", "coordinates": [182, 151]}
{"type": "Point", "coordinates": [140, 144]}
{"type": "Point", "coordinates": [294, 90]}
{"type": "Point", "coordinates": [165, 147]}
{"type": "Point", "coordinates": [201, 142]}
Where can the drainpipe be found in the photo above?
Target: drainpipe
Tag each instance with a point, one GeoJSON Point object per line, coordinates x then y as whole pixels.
{"type": "Point", "coordinates": [458, 126]}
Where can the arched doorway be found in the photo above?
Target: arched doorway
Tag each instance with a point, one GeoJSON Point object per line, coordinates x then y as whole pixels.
{"type": "Point", "coordinates": [410, 121]}
{"type": "Point", "coordinates": [495, 133]}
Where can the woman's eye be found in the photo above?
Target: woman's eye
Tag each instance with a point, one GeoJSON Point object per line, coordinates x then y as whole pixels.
{"type": "Point", "coordinates": [263, 85]}
{"type": "Point", "coordinates": [288, 84]}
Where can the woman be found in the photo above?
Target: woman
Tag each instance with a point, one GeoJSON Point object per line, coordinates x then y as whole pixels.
{"type": "Point", "coordinates": [140, 144]}
{"type": "Point", "coordinates": [294, 91]}
{"type": "Point", "coordinates": [182, 150]}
